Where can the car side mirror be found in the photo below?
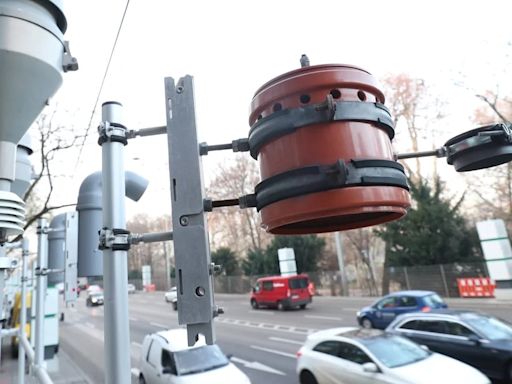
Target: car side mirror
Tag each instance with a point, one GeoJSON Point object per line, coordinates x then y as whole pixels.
{"type": "Point", "coordinates": [370, 368]}
{"type": "Point", "coordinates": [474, 339]}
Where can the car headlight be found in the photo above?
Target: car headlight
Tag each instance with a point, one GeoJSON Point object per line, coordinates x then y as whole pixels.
{"type": "Point", "coordinates": [94, 300]}
{"type": "Point", "coordinates": [358, 313]}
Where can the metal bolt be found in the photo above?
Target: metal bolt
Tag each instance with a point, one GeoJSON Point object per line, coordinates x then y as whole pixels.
{"type": "Point", "coordinates": [184, 221]}
{"type": "Point", "coordinates": [179, 89]}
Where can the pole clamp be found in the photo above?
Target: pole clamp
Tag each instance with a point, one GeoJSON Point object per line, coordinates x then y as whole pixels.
{"type": "Point", "coordinates": [69, 63]}
{"type": "Point", "coordinates": [112, 132]}
{"type": "Point", "coordinates": [41, 271]}
{"type": "Point", "coordinates": [115, 239]}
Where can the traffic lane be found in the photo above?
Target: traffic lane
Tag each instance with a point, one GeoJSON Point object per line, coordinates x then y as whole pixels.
{"type": "Point", "coordinates": [345, 308]}
{"type": "Point", "coordinates": [257, 350]}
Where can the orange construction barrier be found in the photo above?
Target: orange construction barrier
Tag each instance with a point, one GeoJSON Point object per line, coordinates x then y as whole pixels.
{"type": "Point", "coordinates": [150, 288]}
{"type": "Point", "coordinates": [476, 287]}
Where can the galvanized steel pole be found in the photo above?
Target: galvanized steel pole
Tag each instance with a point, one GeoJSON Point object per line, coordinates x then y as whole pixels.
{"type": "Point", "coordinates": [23, 312]}
{"type": "Point", "coordinates": [115, 264]}
{"type": "Point", "coordinates": [42, 279]}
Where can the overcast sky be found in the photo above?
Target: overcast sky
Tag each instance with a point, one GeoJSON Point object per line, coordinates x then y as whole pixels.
{"type": "Point", "coordinates": [233, 47]}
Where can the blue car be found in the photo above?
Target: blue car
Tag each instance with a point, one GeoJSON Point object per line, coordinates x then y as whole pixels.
{"type": "Point", "coordinates": [383, 312]}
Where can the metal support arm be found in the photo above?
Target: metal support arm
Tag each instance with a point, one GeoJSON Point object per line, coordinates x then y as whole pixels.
{"type": "Point", "coordinates": [156, 237]}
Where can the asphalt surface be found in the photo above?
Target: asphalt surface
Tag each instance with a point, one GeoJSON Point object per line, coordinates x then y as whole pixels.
{"type": "Point", "coordinates": [262, 342]}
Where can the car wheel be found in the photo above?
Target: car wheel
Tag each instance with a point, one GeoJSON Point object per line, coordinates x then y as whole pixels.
{"type": "Point", "coordinates": [307, 377]}
{"type": "Point", "coordinates": [280, 306]}
{"type": "Point", "coordinates": [254, 304]}
{"type": "Point", "coordinates": [366, 323]}
{"type": "Point", "coordinates": [303, 306]}
{"type": "Point", "coordinates": [141, 379]}
{"type": "Point", "coordinates": [175, 305]}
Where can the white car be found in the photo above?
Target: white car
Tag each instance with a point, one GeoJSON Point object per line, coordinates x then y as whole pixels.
{"type": "Point", "coordinates": [368, 356]}
{"type": "Point", "coordinates": [131, 288]}
{"type": "Point", "coordinates": [171, 296]}
{"type": "Point", "coordinates": [167, 358]}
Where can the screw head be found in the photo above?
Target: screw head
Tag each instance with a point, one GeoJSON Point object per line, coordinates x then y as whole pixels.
{"type": "Point", "coordinates": [184, 220]}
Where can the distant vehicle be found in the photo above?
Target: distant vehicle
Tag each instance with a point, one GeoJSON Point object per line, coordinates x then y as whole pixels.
{"type": "Point", "coordinates": [480, 340]}
{"type": "Point", "coordinates": [171, 296]}
{"type": "Point", "coordinates": [94, 288]}
{"type": "Point", "coordinates": [282, 292]}
{"type": "Point", "coordinates": [131, 288]}
{"type": "Point", "coordinates": [384, 310]}
{"type": "Point", "coordinates": [370, 356]}
{"type": "Point", "coordinates": [167, 358]}
{"type": "Point", "coordinates": [94, 298]}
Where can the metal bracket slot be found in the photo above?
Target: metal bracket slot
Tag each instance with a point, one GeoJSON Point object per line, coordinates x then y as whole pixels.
{"type": "Point", "coordinates": [196, 306]}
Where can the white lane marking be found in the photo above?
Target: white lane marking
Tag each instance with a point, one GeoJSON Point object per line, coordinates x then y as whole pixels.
{"type": "Point", "coordinates": [258, 366]}
{"type": "Point", "coordinates": [252, 312]}
{"type": "Point", "coordinates": [159, 325]}
{"type": "Point", "coordinates": [323, 317]}
{"type": "Point", "coordinates": [138, 345]}
{"type": "Point", "coordinates": [290, 355]}
{"type": "Point", "coordinates": [90, 325]}
{"type": "Point", "coordinates": [135, 372]}
{"type": "Point", "coordinates": [133, 319]}
{"type": "Point", "coordinates": [286, 340]}
{"type": "Point", "coordinates": [272, 327]}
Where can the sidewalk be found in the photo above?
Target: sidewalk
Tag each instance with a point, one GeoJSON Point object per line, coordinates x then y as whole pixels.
{"type": "Point", "coordinates": [61, 369]}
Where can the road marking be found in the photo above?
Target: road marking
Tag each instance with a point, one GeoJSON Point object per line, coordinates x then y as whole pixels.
{"type": "Point", "coordinates": [323, 317]}
{"type": "Point", "coordinates": [159, 325]}
{"type": "Point", "coordinates": [90, 325]}
{"type": "Point", "coordinates": [269, 326]}
{"type": "Point", "coordinates": [135, 372]}
{"type": "Point", "coordinates": [258, 366]}
{"type": "Point", "coordinates": [253, 312]}
{"type": "Point", "coordinates": [290, 355]}
{"type": "Point", "coordinates": [286, 340]}
{"type": "Point", "coordinates": [138, 345]}
{"type": "Point", "coordinates": [133, 319]}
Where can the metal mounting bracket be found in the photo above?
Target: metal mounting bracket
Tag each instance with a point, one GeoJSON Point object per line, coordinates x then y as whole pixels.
{"type": "Point", "coordinates": [196, 306]}
{"type": "Point", "coordinates": [114, 239]}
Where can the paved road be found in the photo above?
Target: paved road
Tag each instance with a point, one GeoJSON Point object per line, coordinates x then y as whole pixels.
{"type": "Point", "coordinates": [263, 342]}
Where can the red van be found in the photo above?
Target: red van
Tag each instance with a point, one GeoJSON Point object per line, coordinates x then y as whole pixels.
{"type": "Point", "coordinates": [282, 292]}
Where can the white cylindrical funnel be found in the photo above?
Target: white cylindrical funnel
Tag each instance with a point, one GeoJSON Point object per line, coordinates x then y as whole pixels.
{"type": "Point", "coordinates": [33, 55]}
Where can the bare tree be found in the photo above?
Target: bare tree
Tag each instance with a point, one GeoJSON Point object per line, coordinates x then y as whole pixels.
{"type": "Point", "coordinates": [493, 187]}
{"type": "Point", "coordinates": [367, 247]}
{"type": "Point", "coordinates": [153, 254]}
{"type": "Point", "coordinates": [238, 229]}
{"type": "Point", "coordinates": [52, 140]}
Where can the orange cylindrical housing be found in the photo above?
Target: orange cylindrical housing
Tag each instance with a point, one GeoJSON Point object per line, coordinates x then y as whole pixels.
{"type": "Point", "coordinates": [323, 144]}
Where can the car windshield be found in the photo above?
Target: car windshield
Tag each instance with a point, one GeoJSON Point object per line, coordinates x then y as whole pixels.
{"type": "Point", "coordinates": [433, 300]}
{"type": "Point", "coordinates": [395, 351]}
{"type": "Point", "coordinates": [195, 360]}
{"type": "Point", "coordinates": [489, 327]}
{"type": "Point", "coordinates": [96, 294]}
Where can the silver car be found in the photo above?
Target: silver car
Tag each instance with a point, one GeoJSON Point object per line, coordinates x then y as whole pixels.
{"type": "Point", "coordinates": [171, 296]}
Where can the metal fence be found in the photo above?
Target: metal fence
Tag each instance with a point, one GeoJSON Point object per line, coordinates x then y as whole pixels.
{"type": "Point", "coordinates": [439, 278]}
